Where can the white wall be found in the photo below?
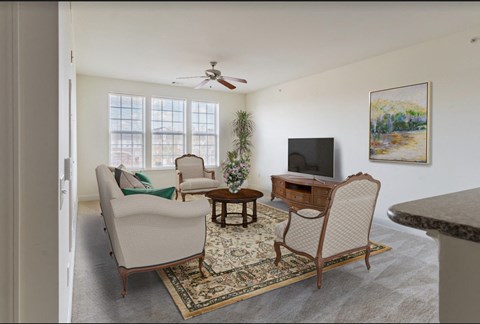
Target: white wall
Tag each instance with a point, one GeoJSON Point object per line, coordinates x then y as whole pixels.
{"type": "Point", "coordinates": [6, 164]}
{"type": "Point", "coordinates": [66, 148]}
{"type": "Point", "coordinates": [336, 104]}
{"type": "Point", "coordinates": [34, 237]}
{"type": "Point", "coordinates": [93, 136]}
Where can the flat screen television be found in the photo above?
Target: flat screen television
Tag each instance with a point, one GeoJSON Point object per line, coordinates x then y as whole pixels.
{"type": "Point", "coordinates": [313, 156]}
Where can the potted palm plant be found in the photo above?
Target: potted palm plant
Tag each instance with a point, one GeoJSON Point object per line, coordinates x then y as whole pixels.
{"type": "Point", "coordinates": [237, 165]}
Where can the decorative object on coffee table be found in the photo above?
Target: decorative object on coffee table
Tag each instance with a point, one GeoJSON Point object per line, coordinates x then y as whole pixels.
{"type": "Point", "coordinates": [224, 196]}
{"type": "Point", "coordinates": [235, 171]}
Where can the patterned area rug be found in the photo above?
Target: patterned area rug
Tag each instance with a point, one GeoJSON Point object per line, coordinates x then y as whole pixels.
{"type": "Point", "coordinates": [239, 264]}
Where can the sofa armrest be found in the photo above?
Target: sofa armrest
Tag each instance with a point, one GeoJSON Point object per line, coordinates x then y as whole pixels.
{"type": "Point", "coordinates": [151, 205]}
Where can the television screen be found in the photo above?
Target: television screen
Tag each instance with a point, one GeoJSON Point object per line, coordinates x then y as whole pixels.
{"type": "Point", "coordinates": [311, 156]}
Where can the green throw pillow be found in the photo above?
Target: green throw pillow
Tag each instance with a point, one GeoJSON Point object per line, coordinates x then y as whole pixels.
{"type": "Point", "coordinates": [164, 192]}
{"type": "Point", "coordinates": [143, 177]}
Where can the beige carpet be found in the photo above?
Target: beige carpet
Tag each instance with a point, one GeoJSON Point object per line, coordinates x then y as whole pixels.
{"type": "Point", "coordinates": [239, 265]}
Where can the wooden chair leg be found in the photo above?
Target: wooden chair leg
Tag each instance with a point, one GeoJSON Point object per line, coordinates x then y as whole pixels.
{"type": "Point", "coordinates": [278, 252]}
{"type": "Point", "coordinates": [176, 194]}
{"type": "Point", "coordinates": [319, 266]}
{"type": "Point", "coordinates": [183, 196]}
{"type": "Point", "coordinates": [367, 256]}
{"type": "Point", "coordinates": [200, 265]}
{"type": "Point", "coordinates": [123, 274]}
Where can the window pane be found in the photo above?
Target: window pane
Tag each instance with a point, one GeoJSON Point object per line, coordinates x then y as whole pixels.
{"type": "Point", "coordinates": [137, 114]}
{"type": "Point", "coordinates": [211, 119]}
{"type": "Point", "coordinates": [137, 126]}
{"type": "Point", "coordinates": [125, 147]}
{"type": "Point", "coordinates": [202, 118]}
{"type": "Point", "coordinates": [126, 113]}
{"type": "Point", "coordinates": [126, 125]}
{"type": "Point", "coordinates": [167, 118]}
{"type": "Point", "coordinates": [195, 118]}
{"type": "Point", "coordinates": [137, 102]}
{"type": "Point", "coordinates": [210, 128]}
{"type": "Point", "coordinates": [115, 101]}
{"type": "Point", "coordinates": [202, 108]}
{"type": "Point", "coordinates": [178, 116]}
{"type": "Point", "coordinates": [167, 105]}
{"type": "Point", "coordinates": [211, 108]}
{"type": "Point", "coordinates": [116, 113]}
{"type": "Point", "coordinates": [177, 127]}
{"type": "Point", "coordinates": [114, 125]}
{"type": "Point", "coordinates": [126, 101]}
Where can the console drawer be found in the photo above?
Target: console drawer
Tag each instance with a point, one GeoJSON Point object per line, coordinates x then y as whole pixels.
{"type": "Point", "coordinates": [320, 196]}
{"type": "Point", "coordinates": [298, 196]}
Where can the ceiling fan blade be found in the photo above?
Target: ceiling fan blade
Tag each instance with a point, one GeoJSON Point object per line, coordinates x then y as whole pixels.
{"type": "Point", "coordinates": [225, 83]}
{"type": "Point", "coordinates": [201, 84]}
{"type": "Point", "coordinates": [191, 77]}
{"type": "Point", "coordinates": [234, 79]}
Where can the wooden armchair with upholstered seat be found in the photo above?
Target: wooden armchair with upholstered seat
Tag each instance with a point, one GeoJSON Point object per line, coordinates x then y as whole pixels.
{"type": "Point", "coordinates": [192, 177]}
{"type": "Point", "coordinates": [342, 228]}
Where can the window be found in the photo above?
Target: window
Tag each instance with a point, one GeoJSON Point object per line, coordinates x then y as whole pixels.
{"type": "Point", "coordinates": [127, 130]}
{"type": "Point", "coordinates": [168, 131]}
{"type": "Point", "coordinates": [204, 131]}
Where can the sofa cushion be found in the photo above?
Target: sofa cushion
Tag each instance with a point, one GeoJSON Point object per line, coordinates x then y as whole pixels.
{"type": "Point", "coordinates": [126, 179]}
{"type": "Point", "coordinates": [199, 183]}
{"type": "Point", "coordinates": [164, 192]}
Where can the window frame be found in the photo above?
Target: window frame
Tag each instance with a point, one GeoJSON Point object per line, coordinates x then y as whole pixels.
{"type": "Point", "coordinates": [143, 133]}
{"type": "Point", "coordinates": [217, 131]}
{"type": "Point", "coordinates": [151, 133]}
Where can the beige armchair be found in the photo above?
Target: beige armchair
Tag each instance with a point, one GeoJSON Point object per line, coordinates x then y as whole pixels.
{"type": "Point", "coordinates": [192, 177]}
{"type": "Point", "coordinates": [343, 227]}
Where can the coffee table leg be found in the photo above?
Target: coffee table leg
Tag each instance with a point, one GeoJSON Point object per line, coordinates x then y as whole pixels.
{"type": "Point", "coordinates": [214, 210]}
{"type": "Point", "coordinates": [224, 214]}
{"type": "Point", "coordinates": [244, 215]}
{"type": "Point", "coordinates": [254, 217]}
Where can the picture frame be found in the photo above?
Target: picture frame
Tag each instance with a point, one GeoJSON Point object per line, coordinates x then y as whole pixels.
{"type": "Point", "coordinates": [400, 124]}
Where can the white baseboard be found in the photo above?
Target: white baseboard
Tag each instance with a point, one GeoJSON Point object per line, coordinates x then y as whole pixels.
{"type": "Point", "coordinates": [88, 197]}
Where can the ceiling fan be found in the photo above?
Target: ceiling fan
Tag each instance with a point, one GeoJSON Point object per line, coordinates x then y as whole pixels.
{"type": "Point", "coordinates": [215, 75]}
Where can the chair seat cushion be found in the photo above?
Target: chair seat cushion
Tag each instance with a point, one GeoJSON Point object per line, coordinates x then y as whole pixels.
{"type": "Point", "coordinates": [279, 230]}
{"type": "Point", "coordinates": [199, 183]}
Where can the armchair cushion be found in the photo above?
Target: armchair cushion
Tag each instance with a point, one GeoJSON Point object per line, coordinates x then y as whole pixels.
{"type": "Point", "coordinates": [163, 192]}
{"type": "Point", "coordinates": [198, 183]}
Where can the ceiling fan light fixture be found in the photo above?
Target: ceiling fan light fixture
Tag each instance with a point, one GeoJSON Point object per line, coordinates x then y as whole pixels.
{"type": "Point", "coordinates": [215, 75]}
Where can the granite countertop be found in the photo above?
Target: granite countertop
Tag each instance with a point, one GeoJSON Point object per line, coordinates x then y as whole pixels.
{"type": "Point", "coordinates": [456, 214]}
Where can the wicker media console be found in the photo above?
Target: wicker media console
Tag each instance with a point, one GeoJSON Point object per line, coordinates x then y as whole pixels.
{"type": "Point", "coordinates": [301, 192]}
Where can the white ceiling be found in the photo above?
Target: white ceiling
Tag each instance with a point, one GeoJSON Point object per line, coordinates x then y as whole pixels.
{"type": "Point", "coordinates": [264, 42]}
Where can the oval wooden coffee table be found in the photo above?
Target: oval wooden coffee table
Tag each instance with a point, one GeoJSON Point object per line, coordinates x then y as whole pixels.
{"type": "Point", "coordinates": [225, 197]}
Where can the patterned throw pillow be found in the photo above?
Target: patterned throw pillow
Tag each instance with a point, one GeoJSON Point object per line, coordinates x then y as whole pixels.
{"type": "Point", "coordinates": [126, 179]}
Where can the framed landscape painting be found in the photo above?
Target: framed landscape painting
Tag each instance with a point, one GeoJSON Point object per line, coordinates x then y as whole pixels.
{"type": "Point", "coordinates": [400, 124]}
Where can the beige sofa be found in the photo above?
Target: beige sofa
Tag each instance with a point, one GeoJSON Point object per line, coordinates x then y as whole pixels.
{"type": "Point", "coordinates": [148, 232]}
